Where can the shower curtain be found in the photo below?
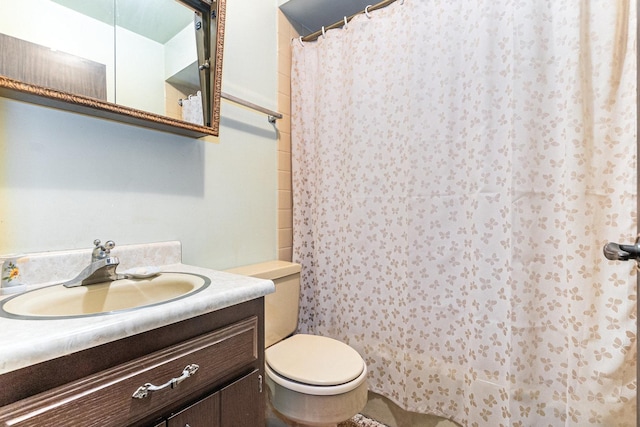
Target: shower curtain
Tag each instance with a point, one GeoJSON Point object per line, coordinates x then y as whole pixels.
{"type": "Point", "coordinates": [457, 168]}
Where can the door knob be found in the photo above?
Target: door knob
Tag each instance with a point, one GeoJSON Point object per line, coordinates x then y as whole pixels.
{"type": "Point", "coordinates": [617, 252]}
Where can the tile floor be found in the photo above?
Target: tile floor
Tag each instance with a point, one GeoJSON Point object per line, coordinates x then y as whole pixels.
{"type": "Point", "coordinates": [379, 412]}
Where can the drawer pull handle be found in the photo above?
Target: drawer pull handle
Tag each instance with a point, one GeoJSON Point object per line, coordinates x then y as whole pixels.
{"type": "Point", "coordinates": [143, 390]}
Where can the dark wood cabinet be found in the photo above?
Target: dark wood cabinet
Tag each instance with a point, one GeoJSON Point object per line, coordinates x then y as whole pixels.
{"type": "Point", "coordinates": [242, 402]}
{"type": "Point", "coordinates": [210, 376]}
{"type": "Point", "coordinates": [236, 405]}
{"type": "Point", "coordinates": [205, 413]}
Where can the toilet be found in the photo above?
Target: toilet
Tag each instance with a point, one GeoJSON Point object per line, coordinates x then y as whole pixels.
{"type": "Point", "coordinates": [312, 380]}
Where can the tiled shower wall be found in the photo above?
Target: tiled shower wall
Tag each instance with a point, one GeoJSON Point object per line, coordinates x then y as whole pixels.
{"type": "Point", "coordinates": [285, 204]}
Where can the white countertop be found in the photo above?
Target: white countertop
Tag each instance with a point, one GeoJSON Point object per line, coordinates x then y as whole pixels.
{"type": "Point", "coordinates": [25, 342]}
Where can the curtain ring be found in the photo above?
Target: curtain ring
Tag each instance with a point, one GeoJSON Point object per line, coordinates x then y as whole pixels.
{"type": "Point", "coordinates": [300, 41]}
{"type": "Point", "coordinates": [323, 35]}
{"type": "Point", "coordinates": [366, 11]}
{"type": "Point", "coordinates": [345, 23]}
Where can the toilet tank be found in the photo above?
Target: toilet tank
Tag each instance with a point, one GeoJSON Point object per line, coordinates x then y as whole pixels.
{"type": "Point", "coordinates": [281, 307]}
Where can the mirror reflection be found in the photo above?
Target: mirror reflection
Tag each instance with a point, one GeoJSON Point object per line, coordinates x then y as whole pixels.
{"type": "Point", "coordinates": [135, 53]}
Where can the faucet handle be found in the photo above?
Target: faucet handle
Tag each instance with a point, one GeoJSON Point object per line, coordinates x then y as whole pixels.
{"type": "Point", "coordinates": [109, 244]}
{"type": "Point", "coordinates": [100, 251]}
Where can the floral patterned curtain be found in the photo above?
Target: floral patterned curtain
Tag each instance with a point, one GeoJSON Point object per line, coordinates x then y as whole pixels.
{"type": "Point", "coordinates": [457, 168]}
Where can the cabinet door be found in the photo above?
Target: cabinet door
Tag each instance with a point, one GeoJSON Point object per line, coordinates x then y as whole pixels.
{"type": "Point", "coordinates": [204, 413]}
{"type": "Point", "coordinates": [242, 402]}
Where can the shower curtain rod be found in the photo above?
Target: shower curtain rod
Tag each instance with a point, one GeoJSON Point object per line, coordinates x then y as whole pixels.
{"type": "Point", "coordinates": [314, 36]}
{"type": "Point", "coordinates": [272, 115]}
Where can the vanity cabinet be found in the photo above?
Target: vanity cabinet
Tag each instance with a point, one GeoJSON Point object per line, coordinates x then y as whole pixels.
{"type": "Point", "coordinates": [229, 407]}
{"type": "Point", "coordinates": [203, 413]}
{"type": "Point", "coordinates": [205, 371]}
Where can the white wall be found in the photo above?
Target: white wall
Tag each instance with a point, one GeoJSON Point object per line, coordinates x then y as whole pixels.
{"type": "Point", "coordinates": [66, 179]}
{"type": "Point", "coordinates": [180, 52]}
{"type": "Point", "coordinates": [140, 76]}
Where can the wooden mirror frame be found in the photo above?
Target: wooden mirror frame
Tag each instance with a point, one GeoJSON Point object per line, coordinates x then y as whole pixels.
{"type": "Point", "coordinates": [22, 91]}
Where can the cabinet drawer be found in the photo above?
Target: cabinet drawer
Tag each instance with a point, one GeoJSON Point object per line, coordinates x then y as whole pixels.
{"type": "Point", "coordinates": [106, 399]}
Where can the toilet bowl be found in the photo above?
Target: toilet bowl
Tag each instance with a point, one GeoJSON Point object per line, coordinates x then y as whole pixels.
{"type": "Point", "coordinates": [312, 380]}
{"type": "Point", "coordinates": [315, 380]}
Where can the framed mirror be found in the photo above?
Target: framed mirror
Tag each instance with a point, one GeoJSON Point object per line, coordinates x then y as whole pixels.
{"type": "Point", "coordinates": [152, 63]}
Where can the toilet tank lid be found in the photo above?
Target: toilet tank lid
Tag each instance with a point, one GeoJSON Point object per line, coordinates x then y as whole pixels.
{"type": "Point", "coordinates": [268, 270]}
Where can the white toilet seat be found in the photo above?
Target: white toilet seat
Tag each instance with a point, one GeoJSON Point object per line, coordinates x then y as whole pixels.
{"type": "Point", "coordinates": [315, 365]}
{"type": "Point", "coordinates": [316, 390]}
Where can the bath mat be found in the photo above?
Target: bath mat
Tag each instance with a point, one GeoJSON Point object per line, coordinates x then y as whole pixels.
{"type": "Point", "coordinates": [361, 421]}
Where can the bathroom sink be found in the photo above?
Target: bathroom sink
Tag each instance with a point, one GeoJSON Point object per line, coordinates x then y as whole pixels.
{"type": "Point", "coordinates": [57, 301]}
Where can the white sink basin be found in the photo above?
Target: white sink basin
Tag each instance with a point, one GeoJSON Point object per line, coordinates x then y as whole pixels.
{"type": "Point", "coordinates": [58, 301]}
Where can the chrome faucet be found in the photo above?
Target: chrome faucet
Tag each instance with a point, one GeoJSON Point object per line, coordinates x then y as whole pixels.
{"type": "Point", "coordinates": [101, 252]}
{"type": "Point", "coordinates": [102, 267]}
